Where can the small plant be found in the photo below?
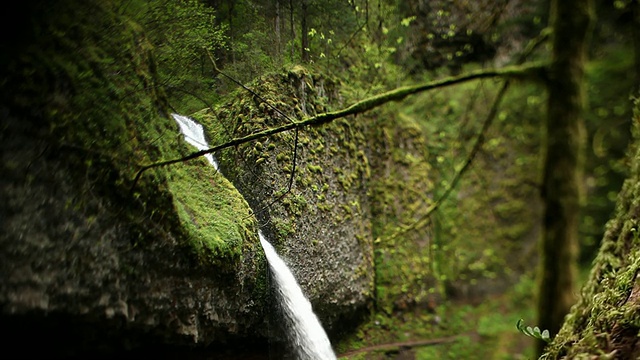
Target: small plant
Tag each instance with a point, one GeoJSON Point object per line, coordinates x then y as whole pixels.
{"type": "Point", "coordinates": [533, 332]}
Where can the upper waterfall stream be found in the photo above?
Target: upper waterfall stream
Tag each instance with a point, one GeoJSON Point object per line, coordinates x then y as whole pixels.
{"type": "Point", "coordinates": [304, 329]}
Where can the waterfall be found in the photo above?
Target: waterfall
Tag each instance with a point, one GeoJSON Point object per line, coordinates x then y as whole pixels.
{"type": "Point", "coordinates": [194, 134]}
{"type": "Point", "coordinates": [309, 337]}
{"type": "Point", "coordinates": [303, 327]}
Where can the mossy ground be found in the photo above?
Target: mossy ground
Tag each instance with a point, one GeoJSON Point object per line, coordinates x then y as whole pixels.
{"type": "Point", "coordinates": [216, 224]}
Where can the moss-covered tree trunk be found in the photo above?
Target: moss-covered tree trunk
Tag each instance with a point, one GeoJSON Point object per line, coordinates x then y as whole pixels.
{"type": "Point", "coordinates": [605, 322]}
{"type": "Point", "coordinates": [562, 163]}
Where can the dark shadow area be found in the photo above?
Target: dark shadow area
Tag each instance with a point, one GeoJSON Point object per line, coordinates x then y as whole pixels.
{"type": "Point", "coordinates": [55, 336]}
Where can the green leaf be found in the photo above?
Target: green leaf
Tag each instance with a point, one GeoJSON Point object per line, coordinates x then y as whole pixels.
{"type": "Point", "coordinates": [533, 331]}
{"type": "Point", "coordinates": [407, 21]}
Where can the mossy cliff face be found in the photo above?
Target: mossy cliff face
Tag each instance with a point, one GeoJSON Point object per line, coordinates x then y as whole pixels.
{"type": "Point", "coordinates": [402, 191]}
{"type": "Point", "coordinates": [606, 320]}
{"type": "Point", "coordinates": [91, 262]}
{"type": "Point", "coordinates": [321, 226]}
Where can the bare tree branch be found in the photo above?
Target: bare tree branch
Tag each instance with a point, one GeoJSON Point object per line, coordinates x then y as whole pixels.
{"type": "Point", "coordinates": [477, 146]}
{"type": "Point", "coordinates": [529, 71]}
{"type": "Point", "coordinates": [215, 67]}
{"type": "Point", "coordinates": [424, 219]}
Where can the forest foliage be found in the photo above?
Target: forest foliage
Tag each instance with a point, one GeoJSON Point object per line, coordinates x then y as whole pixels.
{"type": "Point", "coordinates": [456, 210]}
{"type": "Point", "coordinates": [374, 46]}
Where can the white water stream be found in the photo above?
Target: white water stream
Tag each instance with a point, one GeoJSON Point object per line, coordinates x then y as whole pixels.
{"type": "Point", "coordinates": [194, 135]}
{"type": "Point", "coordinates": [305, 331]}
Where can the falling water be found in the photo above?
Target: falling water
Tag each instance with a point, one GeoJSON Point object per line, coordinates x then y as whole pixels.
{"type": "Point", "coordinates": [194, 135]}
{"type": "Point", "coordinates": [305, 331]}
{"type": "Point", "coordinates": [309, 337]}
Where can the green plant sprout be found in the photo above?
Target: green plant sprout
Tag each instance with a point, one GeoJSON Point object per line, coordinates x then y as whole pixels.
{"type": "Point", "coordinates": [533, 332]}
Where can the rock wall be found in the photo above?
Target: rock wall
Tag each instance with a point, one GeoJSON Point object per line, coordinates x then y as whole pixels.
{"type": "Point", "coordinates": [319, 219]}
{"type": "Point", "coordinates": [91, 262]}
{"type": "Point", "coordinates": [78, 276]}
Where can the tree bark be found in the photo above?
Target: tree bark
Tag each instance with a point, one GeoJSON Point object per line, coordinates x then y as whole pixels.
{"type": "Point", "coordinates": [605, 323]}
{"type": "Point", "coordinates": [293, 32]}
{"type": "Point", "coordinates": [305, 33]}
{"type": "Point", "coordinates": [277, 28]}
{"type": "Point", "coordinates": [635, 10]}
{"type": "Point", "coordinates": [561, 189]}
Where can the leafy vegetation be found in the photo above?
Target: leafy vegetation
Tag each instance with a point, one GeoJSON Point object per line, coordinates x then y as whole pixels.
{"type": "Point", "coordinates": [485, 234]}
{"type": "Point", "coordinates": [480, 330]}
{"type": "Point", "coordinates": [462, 273]}
{"type": "Point", "coordinates": [533, 332]}
{"type": "Point", "coordinates": [181, 33]}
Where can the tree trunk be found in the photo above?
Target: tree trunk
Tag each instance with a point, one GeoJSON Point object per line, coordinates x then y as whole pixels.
{"type": "Point", "coordinates": [635, 28]}
{"type": "Point", "coordinates": [277, 28]}
{"type": "Point", "coordinates": [605, 322]}
{"type": "Point", "coordinates": [561, 192]}
{"type": "Point", "coordinates": [293, 32]}
{"type": "Point", "coordinates": [305, 33]}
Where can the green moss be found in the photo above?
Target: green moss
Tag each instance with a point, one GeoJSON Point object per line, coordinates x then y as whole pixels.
{"type": "Point", "coordinates": [315, 168]}
{"type": "Point", "coordinates": [283, 227]}
{"type": "Point", "coordinates": [217, 219]}
{"type": "Point", "coordinates": [399, 193]}
{"type": "Point", "coordinates": [313, 188]}
{"type": "Point", "coordinates": [605, 319]}
{"type": "Point", "coordinates": [100, 100]}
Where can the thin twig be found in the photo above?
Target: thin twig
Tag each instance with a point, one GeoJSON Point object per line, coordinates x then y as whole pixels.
{"type": "Point", "coordinates": [423, 220]}
{"type": "Point", "coordinates": [213, 63]}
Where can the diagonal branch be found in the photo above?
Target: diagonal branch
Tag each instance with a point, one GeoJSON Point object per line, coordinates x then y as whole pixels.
{"type": "Point", "coordinates": [542, 76]}
{"type": "Point", "coordinates": [530, 71]}
{"type": "Point", "coordinates": [424, 219]}
{"type": "Point", "coordinates": [215, 67]}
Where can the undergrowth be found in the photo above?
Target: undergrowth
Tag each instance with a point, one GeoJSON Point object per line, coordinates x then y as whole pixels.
{"type": "Point", "coordinates": [484, 330]}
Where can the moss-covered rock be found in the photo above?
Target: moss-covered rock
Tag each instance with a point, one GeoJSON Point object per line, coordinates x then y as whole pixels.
{"type": "Point", "coordinates": [402, 191]}
{"type": "Point", "coordinates": [90, 261]}
{"type": "Point", "coordinates": [308, 190]}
